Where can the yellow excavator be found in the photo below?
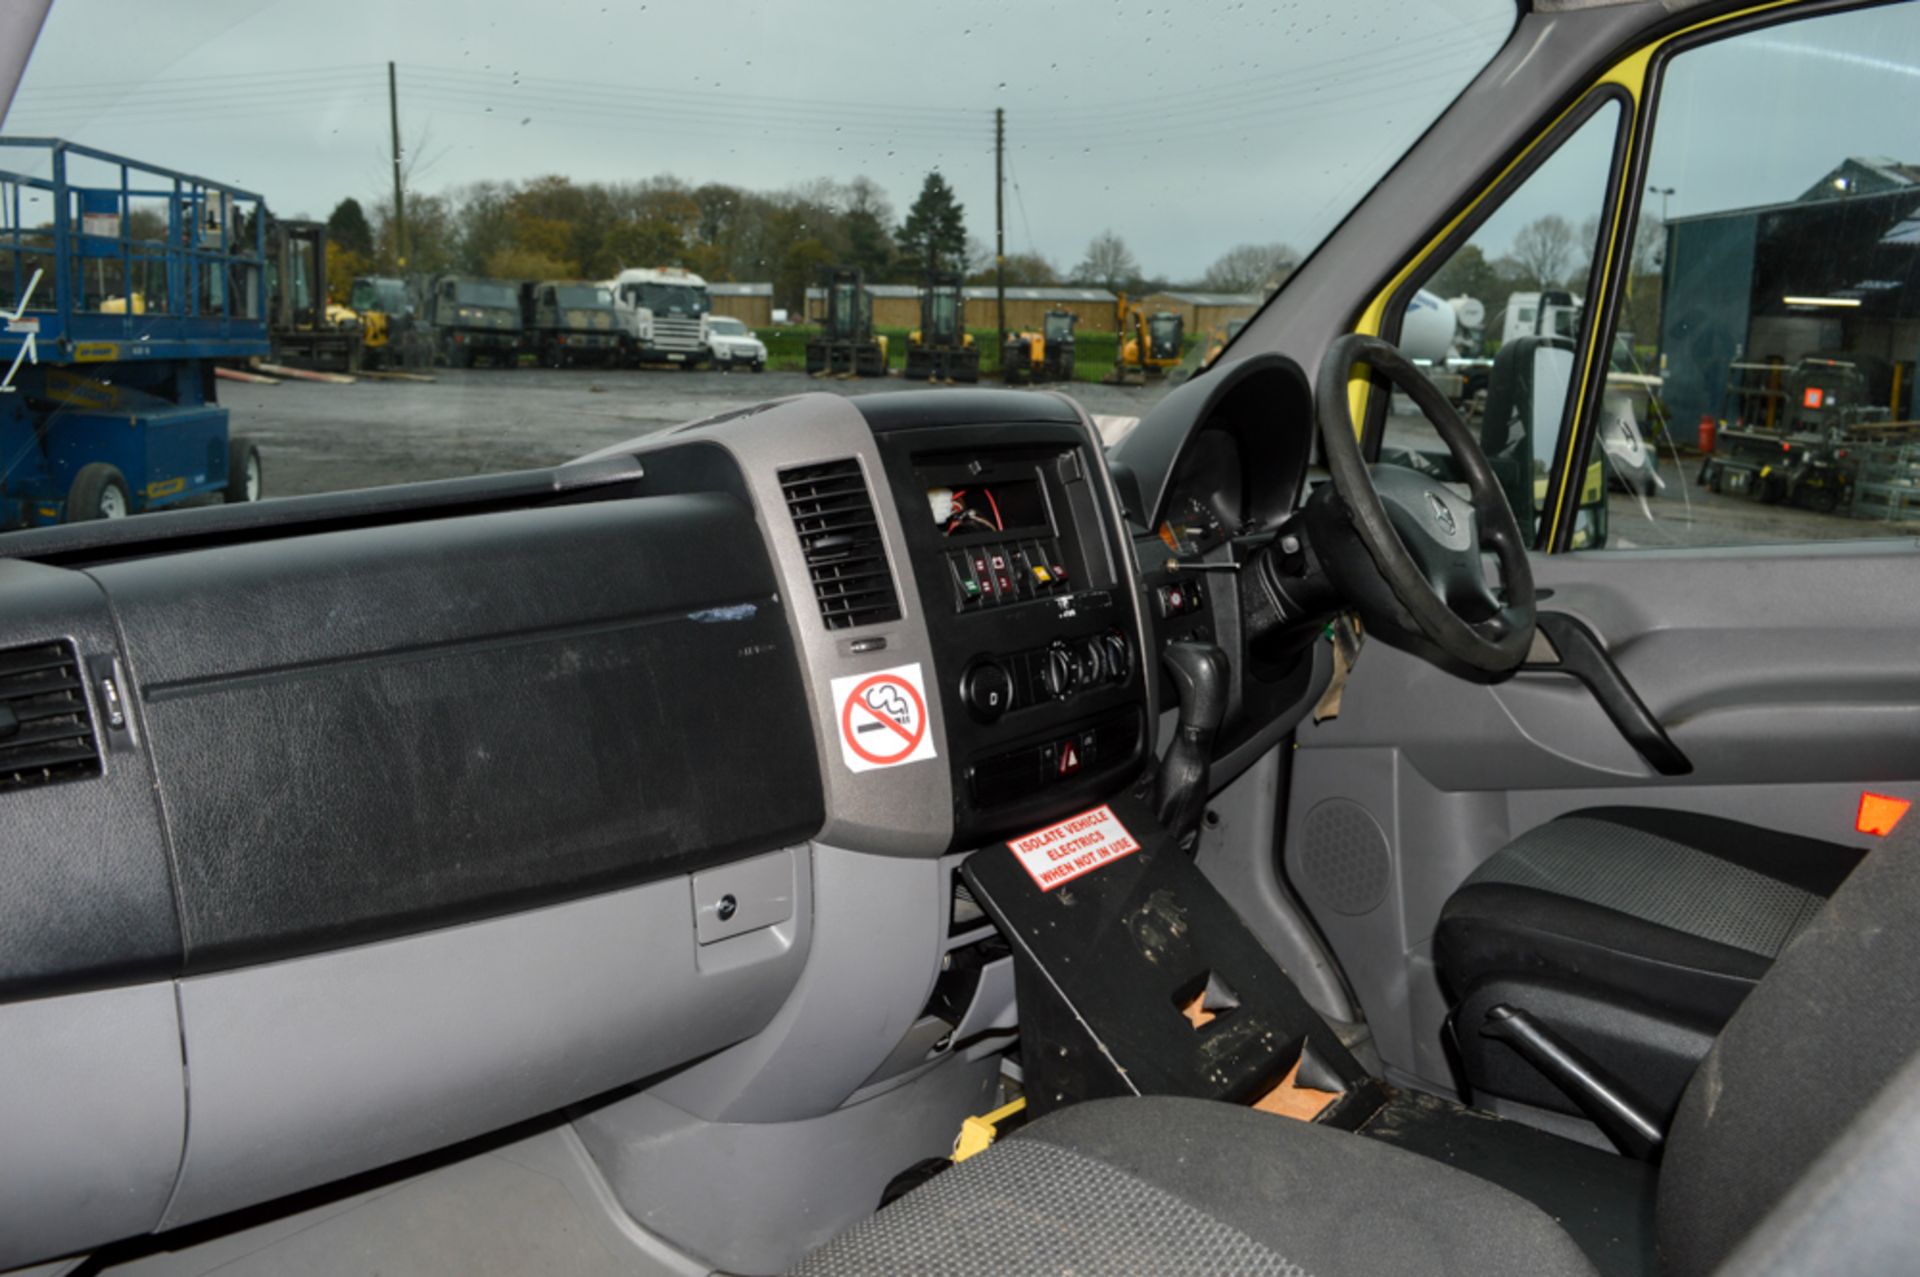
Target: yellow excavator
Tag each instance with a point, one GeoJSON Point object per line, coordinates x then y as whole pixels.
{"type": "Point", "coordinates": [1147, 347]}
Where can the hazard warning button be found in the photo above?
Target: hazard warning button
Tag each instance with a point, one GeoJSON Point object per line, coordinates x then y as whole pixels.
{"type": "Point", "coordinates": [1069, 759]}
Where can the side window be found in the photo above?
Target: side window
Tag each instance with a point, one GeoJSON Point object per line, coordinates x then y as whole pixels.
{"type": "Point", "coordinates": [1497, 323]}
{"type": "Point", "coordinates": [1763, 379]}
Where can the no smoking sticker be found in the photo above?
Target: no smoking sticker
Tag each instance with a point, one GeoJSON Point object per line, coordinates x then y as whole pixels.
{"type": "Point", "coordinates": [1060, 853]}
{"type": "Point", "coordinates": [883, 718]}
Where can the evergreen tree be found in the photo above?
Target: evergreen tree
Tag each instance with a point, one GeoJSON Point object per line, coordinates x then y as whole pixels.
{"type": "Point", "coordinates": [935, 232]}
{"type": "Point", "coordinates": [348, 228]}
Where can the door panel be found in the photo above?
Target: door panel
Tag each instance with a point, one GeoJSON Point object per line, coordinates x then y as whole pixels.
{"type": "Point", "coordinates": [1789, 676]}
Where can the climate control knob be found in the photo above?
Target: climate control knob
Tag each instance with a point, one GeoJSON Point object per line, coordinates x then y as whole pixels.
{"type": "Point", "coordinates": [1058, 673]}
{"type": "Point", "coordinates": [1091, 662]}
{"type": "Point", "coordinates": [1116, 657]}
{"type": "Point", "coordinates": [987, 691]}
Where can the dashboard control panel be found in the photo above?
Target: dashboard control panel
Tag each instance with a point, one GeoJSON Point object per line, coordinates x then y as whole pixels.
{"type": "Point", "coordinates": [1022, 570]}
{"type": "Point", "coordinates": [998, 573]}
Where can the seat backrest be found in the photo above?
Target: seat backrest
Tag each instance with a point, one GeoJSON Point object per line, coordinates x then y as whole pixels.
{"type": "Point", "coordinates": [1809, 1049]}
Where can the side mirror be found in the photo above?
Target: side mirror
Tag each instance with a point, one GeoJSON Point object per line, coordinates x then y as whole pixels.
{"type": "Point", "coordinates": [1520, 426]}
{"type": "Point", "coordinates": [1552, 380]}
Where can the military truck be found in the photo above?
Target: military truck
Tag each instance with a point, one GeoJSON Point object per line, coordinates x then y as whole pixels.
{"type": "Point", "coordinates": [472, 319]}
{"type": "Point", "coordinates": [571, 321]}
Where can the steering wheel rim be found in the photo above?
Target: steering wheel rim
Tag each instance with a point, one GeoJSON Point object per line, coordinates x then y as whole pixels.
{"type": "Point", "coordinates": [1495, 644]}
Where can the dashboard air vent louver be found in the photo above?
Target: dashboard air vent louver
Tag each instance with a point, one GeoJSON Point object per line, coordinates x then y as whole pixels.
{"type": "Point", "coordinates": [46, 733]}
{"type": "Point", "coordinates": [840, 536]}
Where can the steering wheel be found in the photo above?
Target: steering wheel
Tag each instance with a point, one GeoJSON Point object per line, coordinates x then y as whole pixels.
{"type": "Point", "coordinates": [1425, 541]}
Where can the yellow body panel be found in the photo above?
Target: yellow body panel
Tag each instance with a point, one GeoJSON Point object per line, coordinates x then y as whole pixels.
{"type": "Point", "coordinates": [1629, 74]}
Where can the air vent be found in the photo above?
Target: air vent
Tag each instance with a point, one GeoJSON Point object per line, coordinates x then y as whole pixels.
{"type": "Point", "coordinates": [46, 735]}
{"type": "Point", "coordinates": [833, 513]}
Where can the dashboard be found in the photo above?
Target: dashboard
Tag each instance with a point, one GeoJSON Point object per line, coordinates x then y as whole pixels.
{"type": "Point", "coordinates": [572, 777]}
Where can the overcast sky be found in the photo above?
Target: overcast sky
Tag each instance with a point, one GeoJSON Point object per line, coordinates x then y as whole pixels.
{"type": "Point", "coordinates": [1186, 129]}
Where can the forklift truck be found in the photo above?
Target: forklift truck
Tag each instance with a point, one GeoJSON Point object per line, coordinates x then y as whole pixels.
{"type": "Point", "coordinates": [305, 328]}
{"type": "Point", "coordinates": [941, 349]}
{"type": "Point", "coordinates": [846, 345]}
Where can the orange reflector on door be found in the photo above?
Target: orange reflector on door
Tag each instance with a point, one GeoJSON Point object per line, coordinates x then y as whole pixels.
{"type": "Point", "coordinates": [1879, 813]}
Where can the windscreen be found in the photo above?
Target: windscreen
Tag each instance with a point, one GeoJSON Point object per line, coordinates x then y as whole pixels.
{"type": "Point", "coordinates": [1061, 157]}
{"type": "Point", "coordinates": [484, 292]}
{"type": "Point", "coordinates": [382, 295]}
{"type": "Point", "coordinates": [585, 295]}
{"type": "Point", "coordinates": [675, 299]}
{"type": "Point", "coordinates": [943, 307]}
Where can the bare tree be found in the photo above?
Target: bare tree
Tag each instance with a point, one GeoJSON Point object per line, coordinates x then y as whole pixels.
{"type": "Point", "coordinates": [1108, 263]}
{"type": "Point", "coordinates": [1251, 268]}
{"type": "Point", "coordinates": [1545, 248]}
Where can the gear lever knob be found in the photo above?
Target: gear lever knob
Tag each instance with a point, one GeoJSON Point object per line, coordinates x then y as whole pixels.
{"type": "Point", "coordinates": [1198, 673]}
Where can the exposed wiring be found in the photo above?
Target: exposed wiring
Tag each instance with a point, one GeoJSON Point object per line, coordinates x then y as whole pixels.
{"type": "Point", "coordinates": [959, 512]}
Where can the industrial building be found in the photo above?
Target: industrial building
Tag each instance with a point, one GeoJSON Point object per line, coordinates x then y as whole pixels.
{"type": "Point", "coordinates": [750, 303]}
{"type": "Point", "coordinates": [898, 306]}
{"type": "Point", "coordinates": [1027, 307]}
{"type": "Point", "coordinates": [1834, 272]}
{"type": "Point", "coordinates": [1204, 312]}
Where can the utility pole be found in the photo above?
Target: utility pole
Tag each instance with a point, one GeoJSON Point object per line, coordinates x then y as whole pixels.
{"type": "Point", "coordinates": [1000, 223]}
{"type": "Point", "coordinates": [399, 196]}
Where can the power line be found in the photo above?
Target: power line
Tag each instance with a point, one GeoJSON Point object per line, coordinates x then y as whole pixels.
{"type": "Point", "coordinates": [225, 77]}
{"type": "Point", "coordinates": [1271, 95]}
{"type": "Point", "coordinates": [523, 105]}
{"type": "Point", "coordinates": [1325, 70]}
{"type": "Point", "coordinates": [492, 80]}
{"type": "Point", "coordinates": [1020, 202]}
{"type": "Point", "coordinates": [1083, 121]}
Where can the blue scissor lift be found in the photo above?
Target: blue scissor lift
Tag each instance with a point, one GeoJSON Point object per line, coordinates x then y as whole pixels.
{"type": "Point", "coordinates": [121, 286]}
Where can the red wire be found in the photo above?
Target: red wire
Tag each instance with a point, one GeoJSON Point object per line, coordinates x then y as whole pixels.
{"type": "Point", "coordinates": [999, 524]}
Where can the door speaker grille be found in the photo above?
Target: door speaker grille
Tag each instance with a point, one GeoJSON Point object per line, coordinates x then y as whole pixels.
{"type": "Point", "coordinates": [1344, 863]}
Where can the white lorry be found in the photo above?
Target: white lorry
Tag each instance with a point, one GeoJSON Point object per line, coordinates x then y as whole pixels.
{"type": "Point", "coordinates": [1548, 314]}
{"type": "Point", "coordinates": [663, 312]}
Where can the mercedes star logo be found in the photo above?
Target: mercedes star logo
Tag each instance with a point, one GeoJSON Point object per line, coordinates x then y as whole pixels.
{"type": "Point", "coordinates": [1442, 515]}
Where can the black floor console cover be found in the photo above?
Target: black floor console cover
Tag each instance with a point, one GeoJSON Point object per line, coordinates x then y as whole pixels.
{"type": "Point", "coordinates": [1106, 960]}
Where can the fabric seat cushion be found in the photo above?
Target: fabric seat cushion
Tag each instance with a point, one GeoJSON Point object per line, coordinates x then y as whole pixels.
{"type": "Point", "coordinates": [1832, 1022]}
{"type": "Point", "coordinates": [1680, 911]}
{"type": "Point", "coordinates": [1166, 1185]}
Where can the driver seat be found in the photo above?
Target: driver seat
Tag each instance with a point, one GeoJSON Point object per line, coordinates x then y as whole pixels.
{"type": "Point", "coordinates": [1631, 933]}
